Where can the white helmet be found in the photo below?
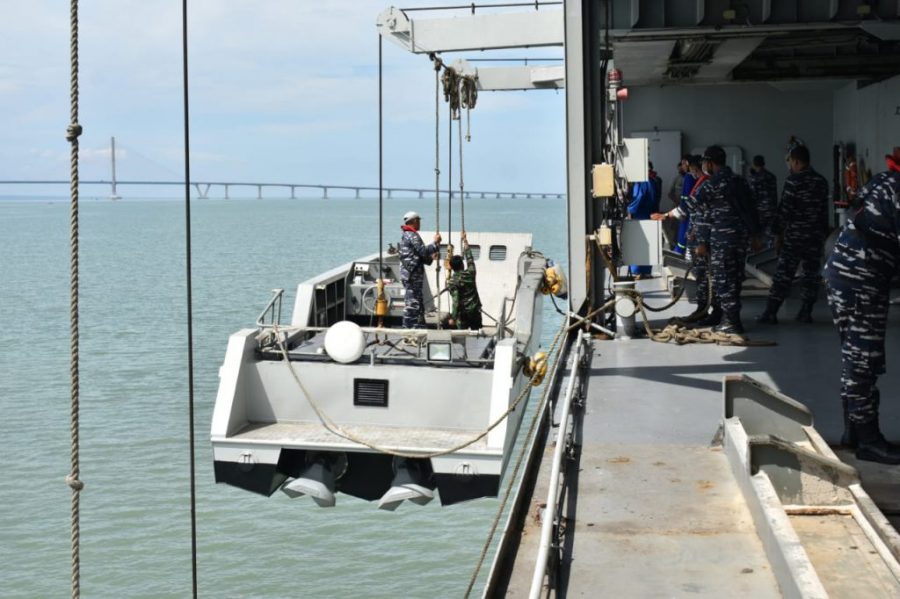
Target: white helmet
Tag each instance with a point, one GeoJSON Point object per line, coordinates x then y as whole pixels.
{"type": "Point", "coordinates": [411, 215]}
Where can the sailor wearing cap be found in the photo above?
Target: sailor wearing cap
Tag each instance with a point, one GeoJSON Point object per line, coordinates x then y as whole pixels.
{"type": "Point", "coordinates": [801, 225]}
{"type": "Point", "coordinates": [414, 255]}
{"type": "Point", "coordinates": [724, 235]}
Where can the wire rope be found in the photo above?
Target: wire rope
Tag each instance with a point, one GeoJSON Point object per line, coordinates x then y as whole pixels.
{"type": "Point", "coordinates": [190, 314]}
{"type": "Point", "coordinates": [449, 182]}
{"type": "Point", "coordinates": [437, 171]}
{"type": "Point", "coordinates": [462, 190]}
{"type": "Point", "coordinates": [380, 165]}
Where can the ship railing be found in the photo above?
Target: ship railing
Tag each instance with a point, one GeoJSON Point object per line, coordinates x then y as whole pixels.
{"type": "Point", "coordinates": [269, 318]}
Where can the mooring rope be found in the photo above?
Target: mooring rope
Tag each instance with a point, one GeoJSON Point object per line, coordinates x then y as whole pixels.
{"type": "Point", "coordinates": [73, 131]}
{"type": "Point", "coordinates": [336, 429]}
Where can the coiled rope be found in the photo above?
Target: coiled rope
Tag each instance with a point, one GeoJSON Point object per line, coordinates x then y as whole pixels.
{"type": "Point", "coordinates": [336, 429]}
{"type": "Point", "coordinates": [556, 351]}
{"type": "Point", "coordinates": [676, 329]}
{"type": "Point", "coordinates": [73, 131]}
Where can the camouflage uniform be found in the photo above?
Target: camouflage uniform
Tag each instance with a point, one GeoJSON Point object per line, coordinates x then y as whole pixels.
{"type": "Point", "coordinates": [694, 213]}
{"type": "Point", "coordinates": [803, 219]}
{"type": "Point", "coordinates": [723, 231]}
{"type": "Point", "coordinates": [858, 275]}
{"type": "Point", "coordinates": [466, 312]}
{"type": "Point", "coordinates": [765, 193]}
{"type": "Point", "coordinates": [414, 255]}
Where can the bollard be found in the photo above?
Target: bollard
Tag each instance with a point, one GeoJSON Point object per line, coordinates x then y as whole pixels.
{"type": "Point", "coordinates": [625, 308]}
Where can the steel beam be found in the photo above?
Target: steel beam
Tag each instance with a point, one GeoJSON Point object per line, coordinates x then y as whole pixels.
{"type": "Point", "coordinates": [529, 29]}
{"type": "Point", "coordinates": [576, 152]}
{"type": "Point", "coordinates": [524, 77]}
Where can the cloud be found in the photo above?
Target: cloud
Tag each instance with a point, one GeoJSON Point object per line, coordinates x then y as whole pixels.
{"type": "Point", "coordinates": [273, 83]}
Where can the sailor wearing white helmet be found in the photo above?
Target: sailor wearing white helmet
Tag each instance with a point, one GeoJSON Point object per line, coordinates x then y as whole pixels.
{"type": "Point", "coordinates": [414, 255]}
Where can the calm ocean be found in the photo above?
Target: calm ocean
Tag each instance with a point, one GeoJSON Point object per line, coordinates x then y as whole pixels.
{"type": "Point", "coordinates": [135, 511]}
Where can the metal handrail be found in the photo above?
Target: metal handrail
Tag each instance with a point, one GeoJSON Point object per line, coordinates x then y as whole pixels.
{"type": "Point", "coordinates": [473, 6]}
{"type": "Point", "coordinates": [272, 310]}
{"type": "Point", "coordinates": [540, 569]}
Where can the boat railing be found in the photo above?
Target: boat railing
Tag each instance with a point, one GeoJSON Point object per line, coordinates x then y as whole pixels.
{"type": "Point", "coordinates": [271, 315]}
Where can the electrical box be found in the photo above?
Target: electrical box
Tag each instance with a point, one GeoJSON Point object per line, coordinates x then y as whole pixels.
{"type": "Point", "coordinates": [641, 242]}
{"type": "Point", "coordinates": [602, 181]}
{"type": "Point", "coordinates": [633, 159]}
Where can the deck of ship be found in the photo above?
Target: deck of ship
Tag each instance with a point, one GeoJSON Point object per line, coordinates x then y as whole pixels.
{"type": "Point", "coordinates": [654, 509]}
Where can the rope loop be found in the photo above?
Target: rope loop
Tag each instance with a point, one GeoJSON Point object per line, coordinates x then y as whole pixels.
{"type": "Point", "coordinates": [73, 132]}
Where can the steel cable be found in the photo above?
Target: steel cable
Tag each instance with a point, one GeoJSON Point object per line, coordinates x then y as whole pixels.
{"type": "Point", "coordinates": [188, 284]}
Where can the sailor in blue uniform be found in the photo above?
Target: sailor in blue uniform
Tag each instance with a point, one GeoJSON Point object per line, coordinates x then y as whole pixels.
{"type": "Point", "coordinates": [687, 186]}
{"type": "Point", "coordinates": [765, 193]}
{"type": "Point", "coordinates": [688, 210]}
{"type": "Point", "coordinates": [725, 235]}
{"type": "Point", "coordinates": [857, 276]}
{"type": "Point", "coordinates": [414, 255]}
{"type": "Point", "coordinates": [801, 226]}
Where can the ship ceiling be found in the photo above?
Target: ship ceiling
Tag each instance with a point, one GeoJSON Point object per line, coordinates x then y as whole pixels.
{"type": "Point", "coordinates": [677, 42]}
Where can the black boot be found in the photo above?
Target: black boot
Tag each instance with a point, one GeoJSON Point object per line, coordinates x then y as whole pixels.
{"type": "Point", "coordinates": [872, 446]}
{"type": "Point", "coordinates": [711, 319]}
{"type": "Point", "coordinates": [729, 326]}
{"type": "Point", "coordinates": [699, 314]}
{"type": "Point", "coordinates": [805, 313]}
{"type": "Point", "coordinates": [848, 439]}
{"type": "Point", "coordinates": [769, 315]}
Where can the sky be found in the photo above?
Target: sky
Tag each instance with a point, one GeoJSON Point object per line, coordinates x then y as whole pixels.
{"type": "Point", "coordinates": [280, 91]}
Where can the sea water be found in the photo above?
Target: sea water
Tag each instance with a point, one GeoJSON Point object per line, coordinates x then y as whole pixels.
{"type": "Point", "coordinates": [135, 507]}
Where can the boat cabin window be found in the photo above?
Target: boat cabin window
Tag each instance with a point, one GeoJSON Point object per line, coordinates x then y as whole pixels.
{"type": "Point", "coordinates": [476, 251]}
{"type": "Point", "coordinates": [497, 252]}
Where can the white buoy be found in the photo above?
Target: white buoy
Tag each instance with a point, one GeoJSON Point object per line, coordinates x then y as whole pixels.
{"type": "Point", "coordinates": [345, 342]}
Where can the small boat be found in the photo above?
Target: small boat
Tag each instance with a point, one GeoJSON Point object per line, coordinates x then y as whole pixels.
{"type": "Point", "coordinates": [333, 402]}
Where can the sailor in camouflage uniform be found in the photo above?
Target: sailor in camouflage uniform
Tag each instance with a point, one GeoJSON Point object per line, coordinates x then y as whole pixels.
{"type": "Point", "coordinates": [689, 210]}
{"type": "Point", "coordinates": [765, 192]}
{"type": "Point", "coordinates": [414, 255]}
{"type": "Point", "coordinates": [724, 236]}
{"type": "Point", "coordinates": [858, 275]}
{"type": "Point", "coordinates": [466, 312]}
{"type": "Point", "coordinates": [802, 226]}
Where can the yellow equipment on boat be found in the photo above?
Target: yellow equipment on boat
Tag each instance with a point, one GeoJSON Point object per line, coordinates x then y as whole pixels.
{"type": "Point", "coordinates": [554, 281]}
{"type": "Point", "coordinates": [536, 368]}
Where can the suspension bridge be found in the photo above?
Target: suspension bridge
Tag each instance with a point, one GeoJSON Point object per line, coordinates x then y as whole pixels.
{"type": "Point", "coordinates": [204, 188]}
{"type": "Point", "coordinates": [223, 189]}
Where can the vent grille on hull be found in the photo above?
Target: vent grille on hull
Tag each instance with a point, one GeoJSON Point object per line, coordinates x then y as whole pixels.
{"type": "Point", "coordinates": [370, 392]}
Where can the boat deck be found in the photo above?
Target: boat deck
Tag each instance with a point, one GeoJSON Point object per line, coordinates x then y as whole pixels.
{"type": "Point", "coordinates": [290, 434]}
{"type": "Point", "coordinates": [655, 509]}
{"type": "Point", "coordinates": [464, 347]}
